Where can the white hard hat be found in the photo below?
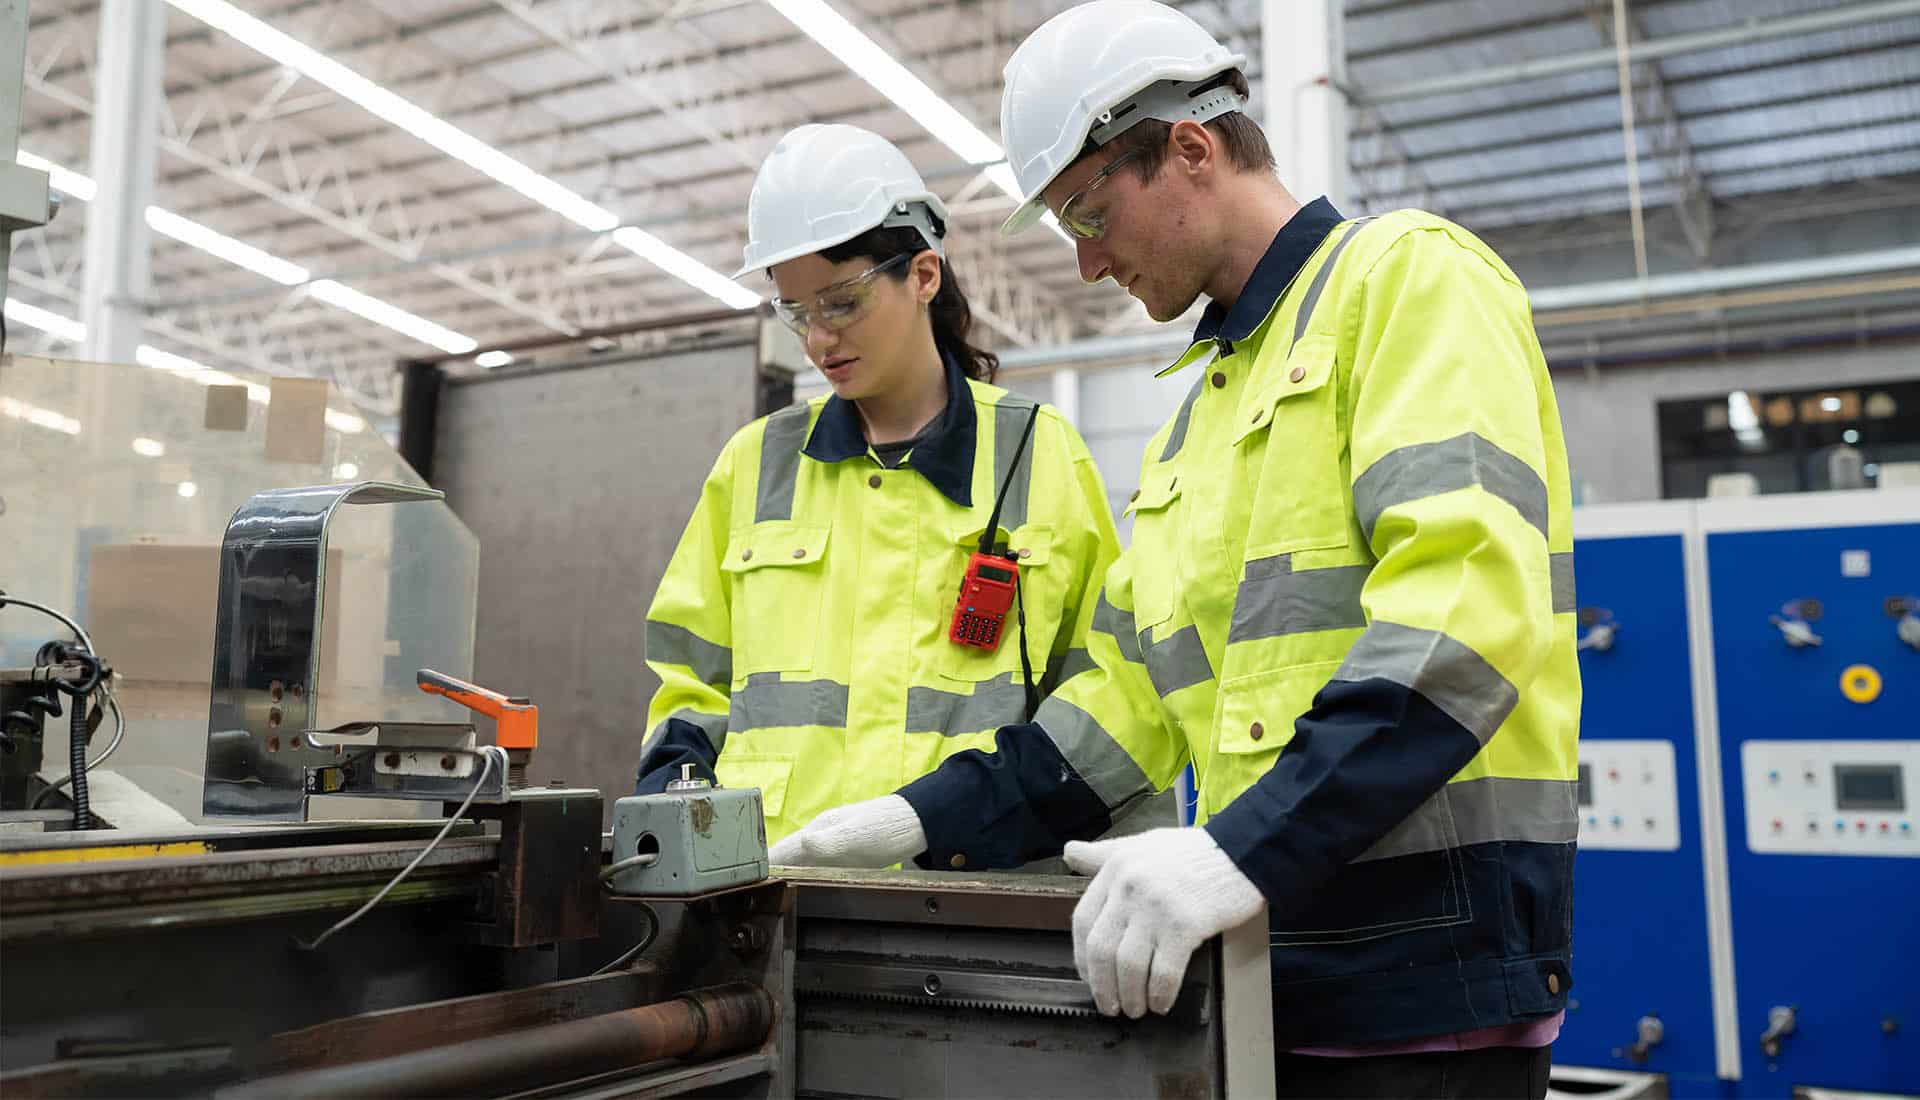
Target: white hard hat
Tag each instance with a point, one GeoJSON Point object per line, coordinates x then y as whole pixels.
{"type": "Point", "coordinates": [1095, 70]}
{"type": "Point", "coordinates": [825, 185]}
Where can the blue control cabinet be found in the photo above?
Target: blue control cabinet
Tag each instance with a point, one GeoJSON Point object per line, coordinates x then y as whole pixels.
{"type": "Point", "coordinates": [1820, 754]}
{"type": "Point", "coordinates": [1640, 941]}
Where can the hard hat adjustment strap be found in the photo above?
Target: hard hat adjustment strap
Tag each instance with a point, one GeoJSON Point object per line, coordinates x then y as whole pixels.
{"type": "Point", "coordinates": [916, 215]}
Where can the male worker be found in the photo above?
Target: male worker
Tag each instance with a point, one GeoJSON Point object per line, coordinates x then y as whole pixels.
{"type": "Point", "coordinates": [1348, 603]}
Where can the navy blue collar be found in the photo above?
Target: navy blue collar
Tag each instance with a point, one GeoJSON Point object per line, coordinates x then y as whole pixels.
{"type": "Point", "coordinates": [1284, 258]}
{"type": "Point", "coordinates": [944, 458]}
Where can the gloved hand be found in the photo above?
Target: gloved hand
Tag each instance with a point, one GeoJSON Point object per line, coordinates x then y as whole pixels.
{"type": "Point", "coordinates": [879, 832]}
{"type": "Point", "coordinates": [1155, 897]}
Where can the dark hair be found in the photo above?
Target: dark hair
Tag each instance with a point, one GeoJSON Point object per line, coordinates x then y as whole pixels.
{"type": "Point", "coordinates": [1246, 144]}
{"type": "Point", "coordinates": [952, 316]}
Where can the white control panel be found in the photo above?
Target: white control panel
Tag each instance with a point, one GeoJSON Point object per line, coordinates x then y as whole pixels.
{"type": "Point", "coordinates": [1629, 796]}
{"type": "Point", "coordinates": [1841, 798]}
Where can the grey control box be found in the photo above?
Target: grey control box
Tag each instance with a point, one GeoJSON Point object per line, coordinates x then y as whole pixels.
{"type": "Point", "coordinates": [693, 839]}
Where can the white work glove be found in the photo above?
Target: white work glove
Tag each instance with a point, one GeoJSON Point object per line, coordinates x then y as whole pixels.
{"type": "Point", "coordinates": [879, 832]}
{"type": "Point", "coordinates": [1154, 898]}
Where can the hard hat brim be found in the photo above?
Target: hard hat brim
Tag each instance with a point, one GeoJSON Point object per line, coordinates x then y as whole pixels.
{"type": "Point", "coordinates": [1026, 216]}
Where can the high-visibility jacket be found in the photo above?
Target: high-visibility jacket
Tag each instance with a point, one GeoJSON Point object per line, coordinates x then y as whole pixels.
{"type": "Point", "coordinates": [801, 630]}
{"type": "Point", "coordinates": [1348, 603]}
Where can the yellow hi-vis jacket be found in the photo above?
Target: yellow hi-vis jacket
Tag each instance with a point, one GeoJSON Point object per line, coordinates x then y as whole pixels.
{"type": "Point", "coordinates": [1348, 603]}
{"type": "Point", "coordinates": [801, 630]}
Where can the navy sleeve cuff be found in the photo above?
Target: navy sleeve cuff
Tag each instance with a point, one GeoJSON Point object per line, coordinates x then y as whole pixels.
{"type": "Point", "coordinates": [1360, 762]}
{"type": "Point", "coordinates": [1019, 803]}
{"type": "Point", "coordinates": [682, 743]}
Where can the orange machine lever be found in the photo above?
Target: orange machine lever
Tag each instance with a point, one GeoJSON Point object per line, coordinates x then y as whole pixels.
{"type": "Point", "coordinates": [518, 719]}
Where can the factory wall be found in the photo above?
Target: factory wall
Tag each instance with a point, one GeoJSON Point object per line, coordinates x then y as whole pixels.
{"type": "Point", "coordinates": [577, 482]}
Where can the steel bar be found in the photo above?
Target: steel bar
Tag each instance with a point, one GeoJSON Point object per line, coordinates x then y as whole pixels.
{"type": "Point", "coordinates": [696, 1026]}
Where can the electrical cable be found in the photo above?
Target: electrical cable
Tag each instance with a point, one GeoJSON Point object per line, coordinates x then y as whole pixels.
{"type": "Point", "coordinates": [85, 641]}
{"type": "Point", "coordinates": [486, 772]}
{"type": "Point", "coordinates": [646, 941]}
{"type": "Point", "coordinates": [646, 859]}
{"type": "Point", "coordinates": [119, 734]}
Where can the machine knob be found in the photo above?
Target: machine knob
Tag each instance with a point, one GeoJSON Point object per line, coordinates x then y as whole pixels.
{"type": "Point", "coordinates": [688, 781]}
{"type": "Point", "coordinates": [1797, 633]}
{"type": "Point", "coordinates": [1598, 636]}
{"type": "Point", "coordinates": [1780, 1024]}
{"type": "Point", "coordinates": [1909, 629]}
{"type": "Point", "coordinates": [1651, 1033]}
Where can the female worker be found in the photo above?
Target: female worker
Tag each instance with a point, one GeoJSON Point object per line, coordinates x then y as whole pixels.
{"type": "Point", "coordinates": [805, 632]}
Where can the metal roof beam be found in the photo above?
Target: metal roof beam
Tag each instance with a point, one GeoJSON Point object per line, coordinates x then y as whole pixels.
{"type": "Point", "coordinates": [1759, 30]}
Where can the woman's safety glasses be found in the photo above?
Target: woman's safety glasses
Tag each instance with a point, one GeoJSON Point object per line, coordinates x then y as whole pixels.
{"type": "Point", "coordinates": [1078, 216]}
{"type": "Point", "coordinates": [838, 306]}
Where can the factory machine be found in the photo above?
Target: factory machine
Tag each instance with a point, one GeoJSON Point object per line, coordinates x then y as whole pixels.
{"type": "Point", "coordinates": [1745, 888]}
{"type": "Point", "coordinates": [314, 865]}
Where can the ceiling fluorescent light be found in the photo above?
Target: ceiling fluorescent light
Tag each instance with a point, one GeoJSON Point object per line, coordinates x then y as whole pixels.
{"type": "Point", "coordinates": [237, 253]}
{"type": "Point", "coordinates": [395, 318]}
{"type": "Point", "coordinates": [865, 59]}
{"type": "Point", "coordinates": [457, 143]}
{"type": "Point", "coordinates": [71, 184]}
{"type": "Point", "coordinates": [399, 111]}
{"type": "Point", "coordinates": [493, 359]}
{"type": "Point", "coordinates": [46, 321]}
{"type": "Point", "coordinates": [684, 267]}
{"type": "Point", "coordinates": [34, 414]}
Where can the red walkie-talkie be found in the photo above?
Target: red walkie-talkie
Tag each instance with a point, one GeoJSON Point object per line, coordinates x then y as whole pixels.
{"type": "Point", "coordinates": [991, 583]}
{"type": "Point", "coordinates": [986, 594]}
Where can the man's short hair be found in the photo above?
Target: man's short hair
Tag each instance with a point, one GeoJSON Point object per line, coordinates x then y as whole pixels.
{"type": "Point", "coordinates": [1245, 143]}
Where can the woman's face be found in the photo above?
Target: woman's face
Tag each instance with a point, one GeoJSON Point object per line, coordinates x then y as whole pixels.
{"type": "Point", "coordinates": [858, 324]}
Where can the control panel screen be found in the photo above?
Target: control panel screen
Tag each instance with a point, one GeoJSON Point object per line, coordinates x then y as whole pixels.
{"type": "Point", "coordinates": [994, 574]}
{"type": "Point", "coordinates": [1586, 786]}
{"type": "Point", "coordinates": [1868, 787]}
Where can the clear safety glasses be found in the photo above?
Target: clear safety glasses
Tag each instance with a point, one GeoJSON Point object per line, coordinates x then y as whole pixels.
{"type": "Point", "coordinates": [838, 306]}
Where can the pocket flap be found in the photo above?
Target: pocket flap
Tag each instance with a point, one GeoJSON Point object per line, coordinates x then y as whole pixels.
{"type": "Point", "coordinates": [769, 773]}
{"type": "Point", "coordinates": [1159, 489]}
{"type": "Point", "coordinates": [775, 543]}
{"type": "Point", "coordinates": [1308, 366]}
{"type": "Point", "coordinates": [1257, 712]}
{"type": "Point", "coordinates": [1033, 542]}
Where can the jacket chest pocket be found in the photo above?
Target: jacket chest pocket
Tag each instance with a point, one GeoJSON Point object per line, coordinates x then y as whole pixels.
{"type": "Point", "coordinates": [1289, 432]}
{"type": "Point", "coordinates": [778, 579]}
{"type": "Point", "coordinates": [1042, 592]}
{"type": "Point", "coordinates": [1156, 515]}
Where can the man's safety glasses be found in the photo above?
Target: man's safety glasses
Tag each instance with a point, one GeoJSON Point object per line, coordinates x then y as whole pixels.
{"type": "Point", "coordinates": [1077, 217]}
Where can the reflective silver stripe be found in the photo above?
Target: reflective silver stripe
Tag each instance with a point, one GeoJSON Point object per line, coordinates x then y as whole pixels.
{"type": "Point", "coordinates": [767, 702]}
{"type": "Point", "coordinates": [1065, 667]}
{"type": "Point", "coordinates": [1448, 674]}
{"type": "Point", "coordinates": [1428, 469]}
{"type": "Point", "coordinates": [1178, 661]}
{"type": "Point", "coordinates": [1319, 282]}
{"type": "Point", "coordinates": [1095, 756]}
{"type": "Point", "coordinates": [713, 725]}
{"type": "Point", "coordinates": [1108, 619]}
{"type": "Point", "coordinates": [676, 645]}
{"type": "Point", "coordinates": [785, 435]}
{"type": "Point", "coordinates": [1560, 569]}
{"type": "Point", "coordinates": [1001, 701]}
{"type": "Point", "coordinates": [1484, 811]}
{"type": "Point", "coordinates": [1009, 420]}
{"type": "Point", "coordinates": [1274, 600]}
{"type": "Point", "coordinates": [1178, 437]}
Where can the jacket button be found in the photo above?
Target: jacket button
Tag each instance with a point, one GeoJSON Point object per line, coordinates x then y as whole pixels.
{"type": "Point", "coordinates": [746, 555]}
{"type": "Point", "coordinates": [1553, 983]}
{"type": "Point", "coordinates": [874, 481]}
{"type": "Point", "coordinates": [1219, 380]}
{"type": "Point", "coordinates": [1297, 375]}
{"type": "Point", "coordinates": [799, 554]}
{"type": "Point", "coordinates": [1026, 553]}
{"type": "Point", "coordinates": [1257, 731]}
{"type": "Point", "coordinates": [958, 861]}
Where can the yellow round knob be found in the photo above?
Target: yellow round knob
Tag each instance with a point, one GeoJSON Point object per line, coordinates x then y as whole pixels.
{"type": "Point", "coordinates": [1860, 683]}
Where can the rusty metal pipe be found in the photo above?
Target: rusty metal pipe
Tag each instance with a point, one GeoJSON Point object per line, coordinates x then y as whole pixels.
{"type": "Point", "coordinates": [696, 1026]}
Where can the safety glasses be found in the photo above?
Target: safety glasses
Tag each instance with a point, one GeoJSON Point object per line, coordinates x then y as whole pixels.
{"type": "Point", "coordinates": [839, 306]}
{"type": "Point", "coordinates": [1078, 216]}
